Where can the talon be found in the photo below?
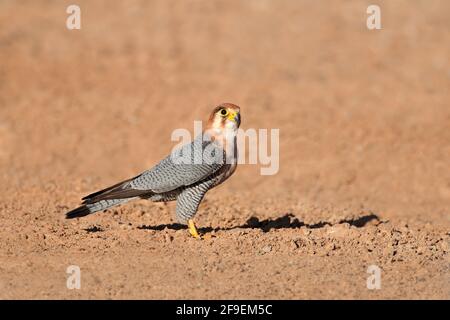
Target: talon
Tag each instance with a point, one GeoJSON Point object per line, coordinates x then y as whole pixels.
{"type": "Point", "coordinates": [193, 230]}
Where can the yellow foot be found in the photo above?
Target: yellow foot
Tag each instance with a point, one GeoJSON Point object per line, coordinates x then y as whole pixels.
{"type": "Point", "coordinates": [193, 229]}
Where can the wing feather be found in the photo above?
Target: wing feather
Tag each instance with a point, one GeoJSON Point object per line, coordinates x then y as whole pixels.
{"type": "Point", "coordinates": [169, 174]}
{"type": "Point", "coordinates": [201, 159]}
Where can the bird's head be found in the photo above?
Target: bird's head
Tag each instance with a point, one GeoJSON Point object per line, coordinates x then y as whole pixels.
{"type": "Point", "coordinates": [226, 116]}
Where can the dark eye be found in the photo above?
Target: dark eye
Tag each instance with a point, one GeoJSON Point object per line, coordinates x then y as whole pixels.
{"type": "Point", "coordinates": [223, 112]}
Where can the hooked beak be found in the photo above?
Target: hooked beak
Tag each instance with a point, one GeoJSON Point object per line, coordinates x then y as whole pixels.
{"type": "Point", "coordinates": [236, 117]}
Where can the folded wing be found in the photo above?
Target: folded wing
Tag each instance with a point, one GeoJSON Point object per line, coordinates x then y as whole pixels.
{"type": "Point", "coordinates": [190, 164]}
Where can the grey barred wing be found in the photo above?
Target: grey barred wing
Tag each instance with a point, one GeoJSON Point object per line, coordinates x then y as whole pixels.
{"type": "Point", "coordinates": [188, 165]}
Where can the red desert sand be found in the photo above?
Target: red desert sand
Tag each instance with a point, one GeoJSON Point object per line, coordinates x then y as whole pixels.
{"type": "Point", "coordinates": [364, 173]}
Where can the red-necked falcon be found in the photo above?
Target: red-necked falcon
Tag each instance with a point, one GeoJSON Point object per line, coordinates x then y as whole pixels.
{"type": "Point", "coordinates": [185, 175]}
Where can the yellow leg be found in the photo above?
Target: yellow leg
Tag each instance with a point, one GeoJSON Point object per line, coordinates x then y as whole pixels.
{"type": "Point", "coordinates": [193, 229]}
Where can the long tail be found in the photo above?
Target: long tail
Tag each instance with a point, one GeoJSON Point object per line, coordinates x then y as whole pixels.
{"type": "Point", "coordinates": [101, 205]}
{"type": "Point", "coordinates": [107, 198]}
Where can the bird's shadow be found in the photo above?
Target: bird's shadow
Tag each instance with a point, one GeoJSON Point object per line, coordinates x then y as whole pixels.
{"type": "Point", "coordinates": [287, 221]}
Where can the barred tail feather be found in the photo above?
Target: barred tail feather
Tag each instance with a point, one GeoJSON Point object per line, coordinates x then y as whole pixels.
{"type": "Point", "coordinates": [87, 209]}
{"type": "Point", "coordinates": [78, 212]}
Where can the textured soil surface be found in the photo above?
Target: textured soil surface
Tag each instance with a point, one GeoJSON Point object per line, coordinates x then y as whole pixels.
{"type": "Point", "coordinates": [364, 173]}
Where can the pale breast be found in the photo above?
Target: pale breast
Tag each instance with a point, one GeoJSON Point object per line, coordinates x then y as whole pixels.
{"type": "Point", "coordinates": [228, 142]}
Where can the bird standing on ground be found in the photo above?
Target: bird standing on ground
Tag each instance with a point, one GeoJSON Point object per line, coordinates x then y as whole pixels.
{"type": "Point", "coordinates": [185, 175]}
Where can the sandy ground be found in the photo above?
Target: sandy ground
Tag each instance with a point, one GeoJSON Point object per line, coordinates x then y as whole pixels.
{"type": "Point", "coordinates": [364, 173]}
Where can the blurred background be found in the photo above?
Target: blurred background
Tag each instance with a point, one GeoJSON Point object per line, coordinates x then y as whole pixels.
{"type": "Point", "coordinates": [364, 120]}
{"type": "Point", "coordinates": [363, 114]}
